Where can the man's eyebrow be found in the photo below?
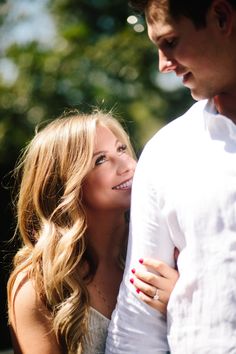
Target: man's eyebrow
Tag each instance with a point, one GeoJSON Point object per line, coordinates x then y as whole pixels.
{"type": "Point", "coordinates": [166, 32]}
{"type": "Point", "coordinates": [156, 39]}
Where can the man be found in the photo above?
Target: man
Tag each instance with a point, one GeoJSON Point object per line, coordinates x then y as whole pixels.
{"type": "Point", "coordinates": [184, 190]}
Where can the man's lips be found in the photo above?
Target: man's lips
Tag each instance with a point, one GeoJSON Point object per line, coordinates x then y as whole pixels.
{"type": "Point", "coordinates": [124, 185]}
{"type": "Point", "coordinates": [186, 77]}
{"type": "Point", "coordinates": [183, 73]}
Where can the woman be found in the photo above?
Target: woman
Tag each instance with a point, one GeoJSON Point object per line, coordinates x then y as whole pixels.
{"type": "Point", "coordinates": [76, 177]}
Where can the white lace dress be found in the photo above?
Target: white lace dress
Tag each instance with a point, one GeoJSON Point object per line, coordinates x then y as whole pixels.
{"type": "Point", "coordinates": [96, 340]}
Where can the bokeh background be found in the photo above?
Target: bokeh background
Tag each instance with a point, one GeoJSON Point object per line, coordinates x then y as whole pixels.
{"type": "Point", "coordinates": [61, 54]}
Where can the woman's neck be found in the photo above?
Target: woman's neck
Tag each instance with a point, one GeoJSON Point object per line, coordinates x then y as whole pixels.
{"type": "Point", "coordinates": [106, 235]}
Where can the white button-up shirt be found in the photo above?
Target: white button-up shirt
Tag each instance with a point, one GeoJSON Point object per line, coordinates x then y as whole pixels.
{"type": "Point", "coordinates": [184, 195]}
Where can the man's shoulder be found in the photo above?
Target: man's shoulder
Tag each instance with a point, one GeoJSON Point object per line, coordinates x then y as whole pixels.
{"type": "Point", "coordinates": [175, 139]}
{"type": "Point", "coordinates": [183, 125]}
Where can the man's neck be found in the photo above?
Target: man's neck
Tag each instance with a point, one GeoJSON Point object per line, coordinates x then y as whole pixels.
{"type": "Point", "coordinates": [226, 105]}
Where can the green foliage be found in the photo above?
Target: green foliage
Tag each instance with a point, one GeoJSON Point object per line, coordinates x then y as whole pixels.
{"type": "Point", "coordinates": [96, 60]}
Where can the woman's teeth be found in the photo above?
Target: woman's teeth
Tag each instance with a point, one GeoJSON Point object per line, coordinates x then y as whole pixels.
{"type": "Point", "coordinates": [124, 185]}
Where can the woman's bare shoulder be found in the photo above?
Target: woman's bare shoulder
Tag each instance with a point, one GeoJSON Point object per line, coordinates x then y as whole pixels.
{"type": "Point", "coordinates": [30, 320]}
{"type": "Point", "coordinates": [24, 302]}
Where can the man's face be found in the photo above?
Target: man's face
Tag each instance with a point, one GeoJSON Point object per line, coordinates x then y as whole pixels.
{"type": "Point", "coordinates": [196, 55]}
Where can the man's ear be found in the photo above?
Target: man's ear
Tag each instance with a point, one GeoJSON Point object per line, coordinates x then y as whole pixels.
{"type": "Point", "coordinates": [223, 13]}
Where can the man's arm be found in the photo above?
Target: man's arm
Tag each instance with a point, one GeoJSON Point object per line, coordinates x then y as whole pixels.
{"type": "Point", "coordinates": [136, 327]}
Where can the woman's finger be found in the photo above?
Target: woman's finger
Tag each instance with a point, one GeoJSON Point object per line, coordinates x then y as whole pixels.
{"type": "Point", "coordinates": [157, 304]}
{"type": "Point", "coordinates": [160, 267]}
{"type": "Point", "coordinates": [152, 290]}
{"type": "Point", "coordinates": [153, 279]}
{"type": "Point", "coordinates": [156, 280]}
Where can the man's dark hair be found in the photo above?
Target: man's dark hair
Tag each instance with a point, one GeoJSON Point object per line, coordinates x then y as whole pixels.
{"type": "Point", "coordinates": [195, 11]}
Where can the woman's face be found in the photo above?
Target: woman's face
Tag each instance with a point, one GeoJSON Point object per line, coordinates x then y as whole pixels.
{"type": "Point", "coordinates": [108, 185]}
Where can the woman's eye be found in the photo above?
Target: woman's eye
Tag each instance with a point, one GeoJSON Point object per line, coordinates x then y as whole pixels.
{"type": "Point", "coordinates": [122, 148]}
{"type": "Point", "coordinates": [100, 160]}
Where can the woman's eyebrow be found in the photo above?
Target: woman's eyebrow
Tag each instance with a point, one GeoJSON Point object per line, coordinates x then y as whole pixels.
{"type": "Point", "coordinates": [105, 151]}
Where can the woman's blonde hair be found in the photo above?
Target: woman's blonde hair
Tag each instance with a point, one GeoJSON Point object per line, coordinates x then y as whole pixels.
{"type": "Point", "coordinates": [52, 222]}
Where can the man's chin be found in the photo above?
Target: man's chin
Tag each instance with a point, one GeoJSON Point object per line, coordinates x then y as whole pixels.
{"type": "Point", "coordinates": [198, 96]}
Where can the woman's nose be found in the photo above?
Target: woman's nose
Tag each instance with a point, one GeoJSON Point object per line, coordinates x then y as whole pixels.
{"type": "Point", "coordinates": [126, 164]}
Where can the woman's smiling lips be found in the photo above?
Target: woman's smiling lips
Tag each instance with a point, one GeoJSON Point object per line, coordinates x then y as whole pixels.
{"type": "Point", "coordinates": [124, 185]}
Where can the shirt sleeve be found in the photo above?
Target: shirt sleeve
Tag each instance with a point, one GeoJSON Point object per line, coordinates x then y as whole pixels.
{"type": "Point", "coordinates": [136, 327]}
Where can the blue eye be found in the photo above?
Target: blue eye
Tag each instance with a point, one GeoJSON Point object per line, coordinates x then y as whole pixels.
{"type": "Point", "coordinates": [100, 160]}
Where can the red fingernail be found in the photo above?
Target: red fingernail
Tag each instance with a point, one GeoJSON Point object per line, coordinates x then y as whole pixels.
{"type": "Point", "coordinates": [131, 280]}
{"type": "Point", "coordinates": [141, 260]}
{"type": "Point", "coordinates": [137, 291]}
{"type": "Point", "coordinates": [133, 270]}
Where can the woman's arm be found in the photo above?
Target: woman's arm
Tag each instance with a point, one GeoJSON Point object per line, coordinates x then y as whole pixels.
{"type": "Point", "coordinates": [154, 285]}
{"type": "Point", "coordinates": [30, 324]}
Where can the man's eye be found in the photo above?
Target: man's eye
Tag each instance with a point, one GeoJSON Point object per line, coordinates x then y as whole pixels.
{"type": "Point", "coordinates": [100, 160]}
{"type": "Point", "coordinates": [170, 43]}
{"type": "Point", "coordinates": [122, 148]}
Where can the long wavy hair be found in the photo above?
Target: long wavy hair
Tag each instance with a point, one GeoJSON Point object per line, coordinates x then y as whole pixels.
{"type": "Point", "coordinates": [51, 219]}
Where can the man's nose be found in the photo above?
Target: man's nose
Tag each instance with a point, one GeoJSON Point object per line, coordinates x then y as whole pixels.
{"type": "Point", "coordinates": [166, 64]}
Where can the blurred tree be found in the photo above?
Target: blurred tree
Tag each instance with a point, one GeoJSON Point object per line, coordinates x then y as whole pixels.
{"type": "Point", "coordinates": [95, 59]}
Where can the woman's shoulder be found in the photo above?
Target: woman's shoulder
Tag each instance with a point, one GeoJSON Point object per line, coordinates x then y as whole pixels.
{"type": "Point", "coordinates": [22, 282]}
{"type": "Point", "coordinates": [30, 320]}
{"type": "Point", "coordinates": [23, 287]}
{"type": "Point", "coordinates": [24, 300]}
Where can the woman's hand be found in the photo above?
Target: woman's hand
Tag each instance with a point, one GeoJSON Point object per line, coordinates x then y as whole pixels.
{"type": "Point", "coordinates": [153, 289]}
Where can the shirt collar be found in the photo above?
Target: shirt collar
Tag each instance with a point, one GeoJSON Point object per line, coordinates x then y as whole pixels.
{"type": "Point", "coordinates": [218, 126]}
